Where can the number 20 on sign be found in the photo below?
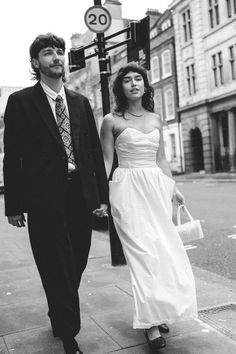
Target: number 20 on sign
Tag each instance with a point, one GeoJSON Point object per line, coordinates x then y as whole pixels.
{"type": "Point", "coordinates": [97, 19]}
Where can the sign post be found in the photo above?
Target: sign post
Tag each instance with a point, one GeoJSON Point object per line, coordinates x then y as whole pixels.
{"type": "Point", "coordinates": [98, 20]}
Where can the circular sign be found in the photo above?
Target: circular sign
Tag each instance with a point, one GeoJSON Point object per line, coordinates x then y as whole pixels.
{"type": "Point", "coordinates": [97, 19]}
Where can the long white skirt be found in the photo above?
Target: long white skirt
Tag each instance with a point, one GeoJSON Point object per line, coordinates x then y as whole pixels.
{"type": "Point", "coordinates": [162, 281]}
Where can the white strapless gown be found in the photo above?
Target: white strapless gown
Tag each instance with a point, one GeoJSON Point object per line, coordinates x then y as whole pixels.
{"type": "Point", "coordinates": [140, 196]}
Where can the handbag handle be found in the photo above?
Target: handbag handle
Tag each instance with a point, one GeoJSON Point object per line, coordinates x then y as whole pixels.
{"type": "Point", "coordinates": [182, 206]}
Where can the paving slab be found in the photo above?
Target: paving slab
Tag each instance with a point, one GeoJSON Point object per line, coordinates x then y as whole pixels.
{"type": "Point", "coordinates": [104, 300]}
{"type": "Point", "coordinates": [20, 317]}
{"type": "Point", "coordinates": [208, 341]}
{"type": "Point", "coordinates": [118, 324]}
{"type": "Point", "coordinates": [94, 340]}
{"type": "Point", "coordinates": [102, 247]}
{"type": "Point", "coordinates": [3, 347]}
{"type": "Point", "coordinates": [103, 276]}
{"type": "Point", "coordinates": [35, 341]}
{"type": "Point", "coordinates": [136, 349]}
{"type": "Point", "coordinates": [21, 292]}
{"type": "Point", "coordinates": [10, 275]}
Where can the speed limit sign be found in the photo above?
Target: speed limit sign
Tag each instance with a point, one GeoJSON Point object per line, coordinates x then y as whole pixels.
{"type": "Point", "coordinates": [97, 19]}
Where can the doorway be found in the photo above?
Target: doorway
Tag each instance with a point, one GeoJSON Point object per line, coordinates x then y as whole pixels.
{"type": "Point", "coordinates": [197, 150]}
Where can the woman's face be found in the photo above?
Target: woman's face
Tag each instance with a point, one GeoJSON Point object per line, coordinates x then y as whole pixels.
{"type": "Point", "coordinates": [133, 86]}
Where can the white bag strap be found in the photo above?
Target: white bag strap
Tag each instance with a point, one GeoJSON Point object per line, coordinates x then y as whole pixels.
{"type": "Point", "coordinates": [182, 206]}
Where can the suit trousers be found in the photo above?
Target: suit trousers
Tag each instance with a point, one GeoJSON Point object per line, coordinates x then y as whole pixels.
{"type": "Point", "coordinates": [60, 243]}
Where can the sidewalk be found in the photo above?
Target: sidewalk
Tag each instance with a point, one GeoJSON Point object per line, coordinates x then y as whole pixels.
{"type": "Point", "coordinates": [202, 177]}
{"type": "Point", "coordinates": [106, 306]}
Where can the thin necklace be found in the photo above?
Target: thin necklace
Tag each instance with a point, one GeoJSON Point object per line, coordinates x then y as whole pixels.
{"type": "Point", "coordinates": [135, 115]}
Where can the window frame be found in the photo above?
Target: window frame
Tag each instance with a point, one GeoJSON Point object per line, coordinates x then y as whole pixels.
{"type": "Point", "coordinates": [191, 79]}
{"type": "Point", "coordinates": [187, 25]}
{"type": "Point", "coordinates": [158, 76]}
{"type": "Point", "coordinates": [217, 67]}
{"type": "Point", "coordinates": [167, 115]}
{"type": "Point", "coordinates": [164, 73]}
{"type": "Point", "coordinates": [213, 11]}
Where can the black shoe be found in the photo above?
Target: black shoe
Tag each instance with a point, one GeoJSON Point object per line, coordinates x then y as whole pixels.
{"type": "Point", "coordinates": [163, 328]}
{"type": "Point", "coordinates": [155, 344]}
{"type": "Point", "coordinates": [71, 346]}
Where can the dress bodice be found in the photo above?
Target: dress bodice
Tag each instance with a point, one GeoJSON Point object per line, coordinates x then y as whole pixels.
{"type": "Point", "coordinates": [136, 149]}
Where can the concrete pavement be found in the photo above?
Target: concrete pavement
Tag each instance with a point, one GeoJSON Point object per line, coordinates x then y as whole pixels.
{"type": "Point", "coordinates": [106, 306]}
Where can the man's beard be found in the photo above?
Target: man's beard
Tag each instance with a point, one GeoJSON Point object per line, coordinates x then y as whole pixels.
{"type": "Point", "coordinates": [53, 74]}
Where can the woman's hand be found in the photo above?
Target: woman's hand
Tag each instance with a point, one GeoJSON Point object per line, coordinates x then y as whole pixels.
{"type": "Point", "coordinates": [178, 196]}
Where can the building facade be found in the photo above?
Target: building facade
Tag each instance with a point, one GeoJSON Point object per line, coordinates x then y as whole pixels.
{"type": "Point", "coordinates": [205, 39]}
{"type": "Point", "coordinates": [5, 92]}
{"type": "Point", "coordinates": [163, 79]}
{"type": "Point", "coordinates": [162, 74]}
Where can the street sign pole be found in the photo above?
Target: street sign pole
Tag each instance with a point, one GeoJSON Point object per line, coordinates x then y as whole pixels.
{"type": "Point", "coordinates": [98, 19]}
{"type": "Point", "coordinates": [117, 255]}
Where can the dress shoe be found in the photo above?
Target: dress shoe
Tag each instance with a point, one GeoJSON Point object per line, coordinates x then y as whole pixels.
{"type": "Point", "coordinates": [71, 346]}
{"type": "Point", "coordinates": [155, 344]}
{"type": "Point", "coordinates": [163, 328]}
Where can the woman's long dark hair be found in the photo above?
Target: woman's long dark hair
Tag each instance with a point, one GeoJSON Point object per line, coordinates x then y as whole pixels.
{"type": "Point", "coordinates": [120, 99]}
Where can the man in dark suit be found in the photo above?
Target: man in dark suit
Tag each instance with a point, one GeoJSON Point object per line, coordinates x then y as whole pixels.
{"type": "Point", "coordinates": [54, 172]}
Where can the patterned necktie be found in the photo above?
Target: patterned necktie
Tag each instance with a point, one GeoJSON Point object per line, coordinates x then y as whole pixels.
{"type": "Point", "coordinates": [63, 123]}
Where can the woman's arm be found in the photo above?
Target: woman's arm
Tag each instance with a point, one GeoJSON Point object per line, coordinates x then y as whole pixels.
{"type": "Point", "coordinates": [164, 165]}
{"type": "Point", "coordinates": [107, 142]}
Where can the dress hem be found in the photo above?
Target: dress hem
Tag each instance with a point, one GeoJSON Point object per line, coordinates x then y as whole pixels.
{"type": "Point", "coordinates": [166, 321]}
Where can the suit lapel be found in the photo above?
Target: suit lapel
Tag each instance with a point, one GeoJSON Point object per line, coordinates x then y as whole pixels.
{"type": "Point", "coordinates": [44, 108]}
{"type": "Point", "coordinates": [74, 111]}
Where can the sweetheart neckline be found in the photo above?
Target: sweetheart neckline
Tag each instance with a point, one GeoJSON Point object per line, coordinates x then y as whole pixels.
{"type": "Point", "coordinates": [137, 131]}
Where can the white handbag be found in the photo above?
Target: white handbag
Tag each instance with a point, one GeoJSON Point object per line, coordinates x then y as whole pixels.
{"type": "Point", "coordinates": [190, 230]}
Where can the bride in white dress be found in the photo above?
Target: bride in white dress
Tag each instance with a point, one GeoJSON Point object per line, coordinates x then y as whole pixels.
{"type": "Point", "coordinates": [141, 194]}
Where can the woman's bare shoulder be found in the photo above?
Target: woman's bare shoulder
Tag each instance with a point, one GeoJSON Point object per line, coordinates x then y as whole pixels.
{"type": "Point", "coordinates": [108, 121]}
{"type": "Point", "coordinates": [111, 120]}
{"type": "Point", "coordinates": [157, 119]}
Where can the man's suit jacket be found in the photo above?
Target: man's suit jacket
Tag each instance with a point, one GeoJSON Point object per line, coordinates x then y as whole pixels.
{"type": "Point", "coordinates": [35, 160]}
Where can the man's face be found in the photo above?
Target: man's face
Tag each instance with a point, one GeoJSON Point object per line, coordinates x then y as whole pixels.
{"type": "Point", "coordinates": [50, 62]}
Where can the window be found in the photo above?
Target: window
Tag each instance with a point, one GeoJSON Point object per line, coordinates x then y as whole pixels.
{"type": "Point", "coordinates": [158, 103]}
{"type": "Point", "coordinates": [169, 104]}
{"type": "Point", "coordinates": [155, 69]}
{"type": "Point", "coordinates": [166, 24]}
{"type": "Point", "coordinates": [173, 146]}
{"type": "Point", "coordinates": [217, 67]}
{"type": "Point", "coordinates": [213, 10]}
{"type": "Point", "coordinates": [191, 79]}
{"type": "Point", "coordinates": [153, 33]}
{"type": "Point", "coordinates": [231, 7]}
{"type": "Point", "coordinates": [187, 30]}
{"type": "Point", "coordinates": [166, 63]}
{"type": "Point", "coordinates": [232, 61]}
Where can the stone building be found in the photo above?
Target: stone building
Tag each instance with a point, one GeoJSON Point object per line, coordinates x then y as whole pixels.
{"type": "Point", "coordinates": [5, 92]}
{"type": "Point", "coordinates": [205, 40]}
{"type": "Point", "coordinates": [163, 79]}
{"type": "Point", "coordinates": [162, 74]}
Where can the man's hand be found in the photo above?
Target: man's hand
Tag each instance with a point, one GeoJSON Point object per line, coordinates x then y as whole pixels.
{"type": "Point", "coordinates": [17, 220]}
{"type": "Point", "coordinates": [101, 212]}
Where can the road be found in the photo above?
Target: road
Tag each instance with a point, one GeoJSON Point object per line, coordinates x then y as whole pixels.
{"type": "Point", "coordinates": [215, 205]}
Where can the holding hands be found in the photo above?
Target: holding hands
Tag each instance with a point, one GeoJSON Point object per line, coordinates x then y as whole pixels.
{"type": "Point", "coordinates": [101, 212]}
